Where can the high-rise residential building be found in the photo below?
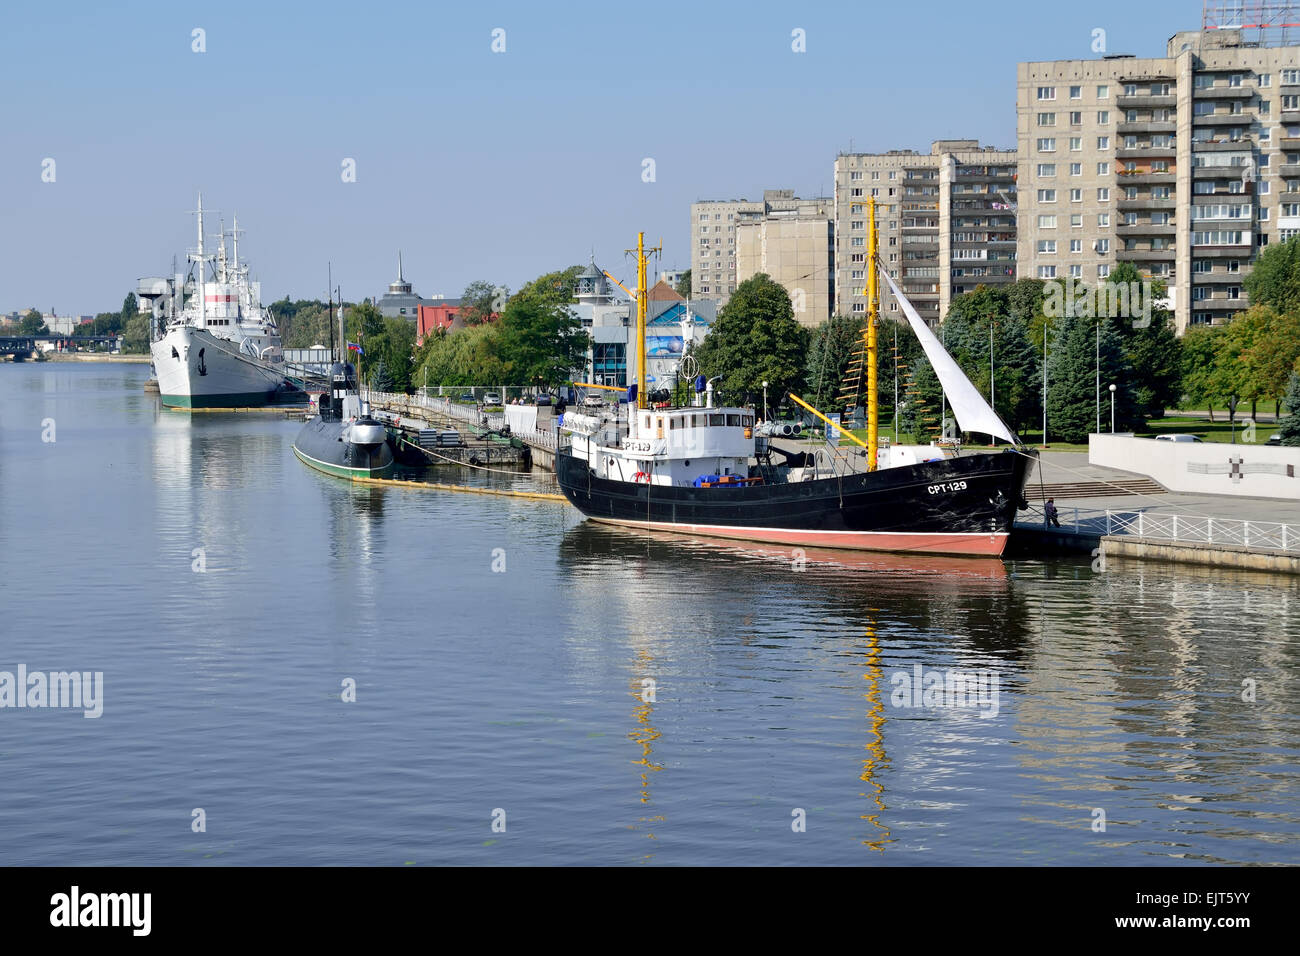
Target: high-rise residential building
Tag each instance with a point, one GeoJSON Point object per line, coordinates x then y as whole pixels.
{"type": "Point", "coordinates": [784, 231]}
{"type": "Point", "coordinates": [713, 246]}
{"type": "Point", "coordinates": [1185, 165]}
{"type": "Point", "coordinates": [791, 240]}
{"type": "Point", "coordinates": [946, 221]}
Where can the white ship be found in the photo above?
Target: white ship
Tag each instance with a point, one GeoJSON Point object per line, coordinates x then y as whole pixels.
{"type": "Point", "coordinates": [222, 349]}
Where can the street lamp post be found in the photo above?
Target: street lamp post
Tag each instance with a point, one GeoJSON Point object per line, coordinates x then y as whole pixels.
{"type": "Point", "coordinates": [765, 400]}
{"type": "Point", "coordinates": [1112, 409]}
{"type": "Point", "coordinates": [1099, 375]}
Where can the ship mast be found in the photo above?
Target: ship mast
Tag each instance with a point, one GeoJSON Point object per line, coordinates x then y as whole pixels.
{"type": "Point", "coordinates": [642, 302]}
{"type": "Point", "coordinates": [873, 318]}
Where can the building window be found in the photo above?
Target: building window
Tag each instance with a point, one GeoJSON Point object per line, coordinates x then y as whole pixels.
{"type": "Point", "coordinates": [1103, 118]}
{"type": "Point", "coordinates": [1103, 194]}
{"type": "Point", "coordinates": [1076, 221]}
{"type": "Point", "coordinates": [1103, 142]}
{"type": "Point", "coordinates": [1047, 195]}
{"type": "Point", "coordinates": [1076, 169]}
{"type": "Point", "coordinates": [1076, 271]}
{"type": "Point", "coordinates": [1047, 272]}
{"type": "Point", "coordinates": [855, 176]}
{"type": "Point", "coordinates": [1076, 92]}
{"type": "Point", "coordinates": [1047, 145]}
{"type": "Point", "coordinates": [1047, 246]}
{"type": "Point", "coordinates": [1046, 170]}
{"type": "Point", "coordinates": [1103, 271]}
{"type": "Point", "coordinates": [1046, 222]}
{"type": "Point", "coordinates": [1076, 245]}
{"type": "Point", "coordinates": [1103, 220]}
{"type": "Point", "coordinates": [1076, 143]}
{"type": "Point", "coordinates": [1046, 119]}
{"type": "Point", "coordinates": [1103, 169]}
{"type": "Point", "coordinates": [1102, 246]}
{"type": "Point", "coordinates": [1103, 92]}
{"type": "Point", "coordinates": [1076, 118]}
{"type": "Point", "coordinates": [1076, 195]}
{"type": "Point", "coordinates": [1049, 92]}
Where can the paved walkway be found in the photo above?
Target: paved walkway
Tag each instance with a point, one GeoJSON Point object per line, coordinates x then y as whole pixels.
{"type": "Point", "coordinates": [1058, 467]}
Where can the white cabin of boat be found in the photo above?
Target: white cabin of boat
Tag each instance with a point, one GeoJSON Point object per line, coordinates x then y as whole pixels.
{"type": "Point", "coordinates": [665, 446]}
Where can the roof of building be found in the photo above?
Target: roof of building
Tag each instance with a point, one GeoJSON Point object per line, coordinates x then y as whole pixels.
{"type": "Point", "coordinates": [661, 291]}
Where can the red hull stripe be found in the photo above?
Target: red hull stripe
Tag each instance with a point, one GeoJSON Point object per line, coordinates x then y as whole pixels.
{"type": "Point", "coordinates": [982, 543]}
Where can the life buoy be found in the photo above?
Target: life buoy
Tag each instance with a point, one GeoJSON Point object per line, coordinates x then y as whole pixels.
{"type": "Point", "coordinates": [641, 476]}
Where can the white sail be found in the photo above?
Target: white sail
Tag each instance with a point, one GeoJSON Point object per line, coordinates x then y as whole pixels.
{"type": "Point", "coordinates": [968, 405]}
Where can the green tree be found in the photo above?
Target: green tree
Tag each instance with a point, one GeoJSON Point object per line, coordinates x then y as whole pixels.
{"type": "Point", "coordinates": [1197, 358]}
{"type": "Point", "coordinates": [1291, 424]}
{"type": "Point", "coordinates": [830, 353]}
{"type": "Point", "coordinates": [1274, 280]}
{"type": "Point", "coordinates": [481, 300]}
{"type": "Point", "coordinates": [380, 378]}
{"type": "Point", "coordinates": [541, 341]}
{"type": "Point", "coordinates": [557, 288]}
{"type": "Point", "coordinates": [755, 339]}
{"type": "Point", "coordinates": [130, 307]}
{"type": "Point", "coordinates": [684, 285]}
{"type": "Point", "coordinates": [466, 357]}
{"type": "Point", "coordinates": [136, 336]}
{"type": "Point", "coordinates": [1072, 382]}
{"type": "Point", "coordinates": [1270, 358]}
{"type": "Point", "coordinates": [921, 404]}
{"type": "Point", "coordinates": [32, 323]}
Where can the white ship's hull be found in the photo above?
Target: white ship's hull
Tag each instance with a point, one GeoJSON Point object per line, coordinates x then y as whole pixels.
{"type": "Point", "coordinates": [196, 369]}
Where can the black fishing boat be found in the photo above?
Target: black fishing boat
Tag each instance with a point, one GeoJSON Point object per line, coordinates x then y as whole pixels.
{"type": "Point", "coordinates": [708, 470]}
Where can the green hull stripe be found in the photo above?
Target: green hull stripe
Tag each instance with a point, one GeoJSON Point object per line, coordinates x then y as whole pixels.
{"type": "Point", "coordinates": [342, 471]}
{"type": "Point", "coordinates": [233, 400]}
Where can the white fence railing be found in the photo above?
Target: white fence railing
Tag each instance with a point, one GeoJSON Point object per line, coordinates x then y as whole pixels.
{"type": "Point", "coordinates": [1197, 529]}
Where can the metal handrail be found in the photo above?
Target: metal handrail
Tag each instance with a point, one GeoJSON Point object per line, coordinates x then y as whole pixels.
{"type": "Point", "coordinates": [1194, 529]}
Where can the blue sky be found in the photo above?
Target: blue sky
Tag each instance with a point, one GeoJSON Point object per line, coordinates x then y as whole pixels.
{"type": "Point", "coordinates": [475, 164]}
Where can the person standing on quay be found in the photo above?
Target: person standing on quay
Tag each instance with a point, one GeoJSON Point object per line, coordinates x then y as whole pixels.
{"type": "Point", "coordinates": [1049, 513]}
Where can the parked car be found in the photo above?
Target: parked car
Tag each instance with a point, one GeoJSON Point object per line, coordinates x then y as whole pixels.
{"type": "Point", "coordinates": [491, 398]}
{"type": "Point", "coordinates": [1177, 438]}
{"type": "Point", "coordinates": [466, 397]}
{"type": "Point", "coordinates": [1275, 438]}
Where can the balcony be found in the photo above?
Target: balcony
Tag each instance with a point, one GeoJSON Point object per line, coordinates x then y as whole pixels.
{"type": "Point", "coordinates": [1145, 229]}
{"type": "Point", "coordinates": [1221, 302]}
{"type": "Point", "coordinates": [1222, 145]}
{"type": "Point", "coordinates": [1222, 252]}
{"type": "Point", "coordinates": [1143, 152]}
{"type": "Point", "coordinates": [1218, 172]}
{"type": "Point", "coordinates": [1126, 205]}
{"type": "Point", "coordinates": [1216, 278]}
{"type": "Point", "coordinates": [1222, 119]}
{"type": "Point", "coordinates": [1138, 178]}
{"type": "Point", "coordinates": [1147, 126]}
{"type": "Point", "coordinates": [1224, 92]}
{"type": "Point", "coordinates": [1289, 169]}
{"type": "Point", "coordinates": [1144, 255]}
{"type": "Point", "coordinates": [1147, 100]}
{"type": "Point", "coordinates": [1289, 142]}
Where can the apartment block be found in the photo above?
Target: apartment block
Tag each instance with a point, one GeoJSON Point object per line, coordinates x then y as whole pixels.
{"type": "Point", "coordinates": [713, 246]}
{"type": "Point", "coordinates": [791, 240]}
{"type": "Point", "coordinates": [1186, 165]}
{"type": "Point", "coordinates": [946, 220]}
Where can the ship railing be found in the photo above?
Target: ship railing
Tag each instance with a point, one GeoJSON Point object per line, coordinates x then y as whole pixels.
{"type": "Point", "coordinates": [1191, 529]}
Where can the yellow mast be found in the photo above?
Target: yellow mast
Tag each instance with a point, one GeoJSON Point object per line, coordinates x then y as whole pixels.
{"type": "Point", "coordinates": [642, 256]}
{"type": "Point", "coordinates": [873, 316]}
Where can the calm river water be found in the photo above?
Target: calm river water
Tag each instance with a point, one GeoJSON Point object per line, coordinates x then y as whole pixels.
{"type": "Point", "coordinates": [605, 697]}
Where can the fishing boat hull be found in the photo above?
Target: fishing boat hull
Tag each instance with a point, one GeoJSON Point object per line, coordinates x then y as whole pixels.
{"type": "Point", "coordinates": [957, 506]}
{"type": "Point", "coordinates": [196, 369]}
{"type": "Point", "coordinates": [327, 447]}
